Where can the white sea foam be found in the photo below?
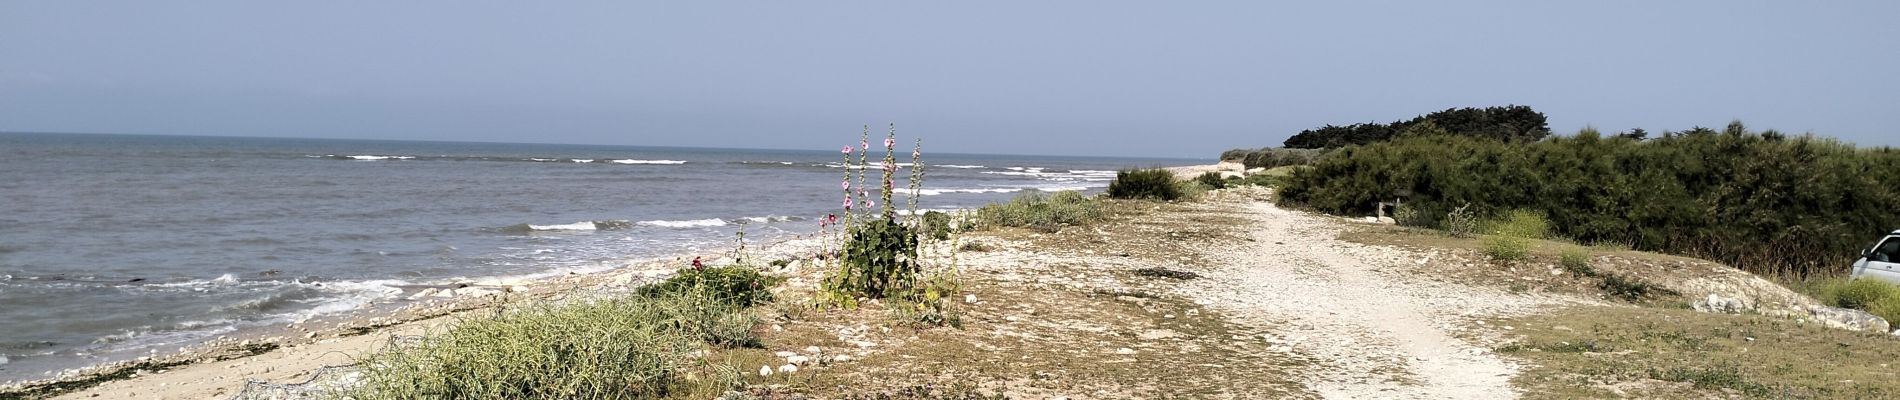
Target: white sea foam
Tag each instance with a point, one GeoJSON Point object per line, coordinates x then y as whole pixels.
{"type": "Point", "coordinates": [960, 166]}
{"type": "Point", "coordinates": [934, 192]}
{"type": "Point", "coordinates": [542, 159]}
{"type": "Point", "coordinates": [694, 223]}
{"type": "Point", "coordinates": [661, 162]}
{"type": "Point", "coordinates": [376, 157]}
{"type": "Point", "coordinates": [577, 226]}
{"type": "Point", "coordinates": [226, 279]}
{"type": "Point", "coordinates": [583, 160]}
{"type": "Point", "coordinates": [769, 219]}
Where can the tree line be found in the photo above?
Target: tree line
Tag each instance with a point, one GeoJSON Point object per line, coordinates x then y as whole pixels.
{"type": "Point", "coordinates": [1762, 201]}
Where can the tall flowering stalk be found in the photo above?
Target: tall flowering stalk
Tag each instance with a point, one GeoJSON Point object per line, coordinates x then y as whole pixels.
{"type": "Point", "coordinates": [916, 178]}
{"type": "Point", "coordinates": [864, 148]}
{"type": "Point", "coordinates": [890, 172]}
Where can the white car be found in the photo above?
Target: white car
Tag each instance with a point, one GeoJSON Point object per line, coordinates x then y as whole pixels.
{"type": "Point", "coordinates": [1881, 261]}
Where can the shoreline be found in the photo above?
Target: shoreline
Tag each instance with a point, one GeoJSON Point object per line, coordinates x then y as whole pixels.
{"type": "Point", "coordinates": [299, 348]}
{"type": "Point", "coordinates": [418, 308]}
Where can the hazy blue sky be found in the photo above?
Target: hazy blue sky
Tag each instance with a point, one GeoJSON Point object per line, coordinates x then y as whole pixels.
{"type": "Point", "coordinates": [1156, 78]}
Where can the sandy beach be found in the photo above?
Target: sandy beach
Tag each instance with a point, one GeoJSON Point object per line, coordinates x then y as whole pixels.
{"type": "Point", "coordinates": [1231, 295]}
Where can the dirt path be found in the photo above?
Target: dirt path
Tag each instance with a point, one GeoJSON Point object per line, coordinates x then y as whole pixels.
{"type": "Point", "coordinates": [1375, 330]}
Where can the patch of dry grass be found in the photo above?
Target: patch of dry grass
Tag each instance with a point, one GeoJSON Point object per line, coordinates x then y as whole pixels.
{"type": "Point", "coordinates": [1593, 352]}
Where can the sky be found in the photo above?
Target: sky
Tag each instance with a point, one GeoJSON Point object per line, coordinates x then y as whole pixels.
{"type": "Point", "coordinates": [1105, 78]}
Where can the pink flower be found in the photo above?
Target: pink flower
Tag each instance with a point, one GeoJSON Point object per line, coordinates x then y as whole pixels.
{"type": "Point", "coordinates": [847, 203]}
{"type": "Point", "coordinates": [847, 185]}
{"type": "Point", "coordinates": [865, 144]}
{"type": "Point", "coordinates": [847, 149]}
{"type": "Point", "coordinates": [916, 153]}
{"type": "Point", "coordinates": [890, 142]}
{"type": "Point", "coordinates": [870, 203]}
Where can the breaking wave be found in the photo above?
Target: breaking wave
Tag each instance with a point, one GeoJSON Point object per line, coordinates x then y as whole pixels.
{"type": "Point", "coordinates": [646, 162]}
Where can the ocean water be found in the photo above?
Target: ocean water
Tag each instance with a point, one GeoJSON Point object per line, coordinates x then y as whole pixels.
{"type": "Point", "coordinates": [112, 246]}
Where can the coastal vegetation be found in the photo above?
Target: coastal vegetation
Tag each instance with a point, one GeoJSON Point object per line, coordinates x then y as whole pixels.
{"type": "Point", "coordinates": [882, 257]}
{"type": "Point", "coordinates": [1513, 123]}
{"type": "Point", "coordinates": [617, 347]}
{"type": "Point", "coordinates": [1043, 212]}
{"type": "Point", "coordinates": [1272, 157]}
{"type": "Point", "coordinates": [1770, 203]}
{"type": "Point", "coordinates": [1145, 183]}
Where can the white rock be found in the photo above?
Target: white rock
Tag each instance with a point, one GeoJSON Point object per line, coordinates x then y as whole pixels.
{"type": "Point", "coordinates": [765, 370]}
{"type": "Point", "coordinates": [811, 349]}
{"type": "Point", "coordinates": [784, 354]}
{"type": "Point", "coordinates": [841, 358]}
{"type": "Point", "coordinates": [969, 298]}
{"type": "Point", "coordinates": [1896, 332]}
{"type": "Point", "coordinates": [798, 360]}
{"type": "Point", "coordinates": [1853, 320]}
{"type": "Point", "coordinates": [445, 293]}
{"type": "Point", "coordinates": [422, 294]}
{"type": "Point", "coordinates": [787, 369]}
{"type": "Point", "coordinates": [1124, 351]}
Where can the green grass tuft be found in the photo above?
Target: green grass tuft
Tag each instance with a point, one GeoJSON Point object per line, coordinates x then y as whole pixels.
{"type": "Point", "coordinates": [617, 348]}
{"type": "Point", "coordinates": [1039, 211]}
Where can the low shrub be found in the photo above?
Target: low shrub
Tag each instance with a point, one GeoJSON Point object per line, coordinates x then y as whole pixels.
{"type": "Point", "coordinates": [933, 304]}
{"type": "Point", "coordinates": [1461, 222]}
{"type": "Point", "coordinates": [1035, 209]}
{"type": "Point", "coordinates": [739, 285]}
{"type": "Point", "coordinates": [1152, 183]}
{"type": "Point", "coordinates": [1511, 235]}
{"type": "Point", "coordinates": [1521, 223]}
{"type": "Point", "coordinates": [1631, 289]}
{"type": "Point", "coordinates": [879, 260]}
{"type": "Point", "coordinates": [618, 348]}
{"type": "Point", "coordinates": [1212, 180]}
{"type": "Point", "coordinates": [1507, 248]}
{"type": "Point", "coordinates": [1887, 308]}
{"type": "Point", "coordinates": [1859, 294]}
{"type": "Point", "coordinates": [1577, 261]}
{"type": "Point", "coordinates": [975, 246]}
{"type": "Point", "coordinates": [936, 225]}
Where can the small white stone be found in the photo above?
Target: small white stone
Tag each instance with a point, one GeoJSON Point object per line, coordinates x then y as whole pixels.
{"type": "Point", "coordinates": [969, 298]}
{"type": "Point", "coordinates": [1124, 351]}
{"type": "Point", "coordinates": [784, 354]}
{"type": "Point", "coordinates": [765, 370]}
{"type": "Point", "coordinates": [798, 360]}
{"type": "Point", "coordinates": [811, 349]}
{"type": "Point", "coordinates": [787, 369]}
{"type": "Point", "coordinates": [841, 358]}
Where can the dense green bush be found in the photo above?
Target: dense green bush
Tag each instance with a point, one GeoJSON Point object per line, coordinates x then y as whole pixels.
{"type": "Point", "coordinates": [740, 285]}
{"type": "Point", "coordinates": [622, 348]}
{"type": "Point", "coordinates": [1037, 210]}
{"type": "Point", "coordinates": [936, 225]}
{"type": "Point", "coordinates": [1767, 203]}
{"type": "Point", "coordinates": [1211, 180]}
{"type": "Point", "coordinates": [1509, 123]}
{"type": "Point", "coordinates": [1272, 157]}
{"type": "Point", "coordinates": [1152, 183]}
{"type": "Point", "coordinates": [879, 260]}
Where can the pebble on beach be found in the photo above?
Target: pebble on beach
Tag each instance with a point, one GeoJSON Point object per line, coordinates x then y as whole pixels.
{"type": "Point", "coordinates": [765, 370]}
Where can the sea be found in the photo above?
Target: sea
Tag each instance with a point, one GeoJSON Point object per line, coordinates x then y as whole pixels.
{"type": "Point", "coordinates": [118, 246]}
